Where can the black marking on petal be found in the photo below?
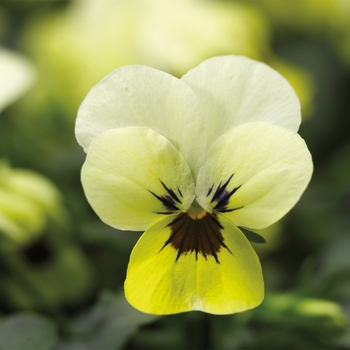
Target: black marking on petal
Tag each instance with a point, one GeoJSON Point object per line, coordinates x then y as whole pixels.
{"type": "Point", "coordinates": [222, 196]}
{"type": "Point", "coordinates": [212, 250]}
{"type": "Point", "coordinates": [218, 237]}
{"type": "Point", "coordinates": [210, 189]}
{"type": "Point", "coordinates": [220, 190]}
{"type": "Point", "coordinates": [178, 189]}
{"type": "Point", "coordinates": [168, 200]}
{"type": "Point", "coordinates": [179, 227]}
{"type": "Point", "coordinates": [171, 192]}
{"type": "Point", "coordinates": [164, 212]}
{"type": "Point", "coordinates": [232, 209]}
{"type": "Point", "coordinates": [225, 199]}
{"type": "Point", "coordinates": [199, 235]}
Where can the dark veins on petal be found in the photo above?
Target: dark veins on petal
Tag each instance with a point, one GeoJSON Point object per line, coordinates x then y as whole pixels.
{"type": "Point", "coordinates": [222, 196]}
{"type": "Point", "coordinates": [200, 235]}
{"type": "Point", "coordinates": [169, 200]}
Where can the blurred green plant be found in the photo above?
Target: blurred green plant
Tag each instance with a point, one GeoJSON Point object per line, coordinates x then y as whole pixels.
{"type": "Point", "coordinates": [107, 325]}
{"type": "Point", "coordinates": [283, 321]}
{"type": "Point", "coordinates": [326, 19]}
{"type": "Point", "coordinates": [319, 316]}
{"type": "Point", "coordinates": [27, 331]}
{"type": "Point", "coordinates": [39, 257]}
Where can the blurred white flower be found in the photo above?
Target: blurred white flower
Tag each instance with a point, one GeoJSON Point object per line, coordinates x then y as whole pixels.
{"type": "Point", "coordinates": [17, 75]}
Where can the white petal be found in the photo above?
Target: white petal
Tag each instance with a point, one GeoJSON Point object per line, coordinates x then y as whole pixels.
{"type": "Point", "coordinates": [255, 174]}
{"type": "Point", "coordinates": [127, 173]}
{"type": "Point", "coordinates": [142, 96]}
{"type": "Point", "coordinates": [235, 90]}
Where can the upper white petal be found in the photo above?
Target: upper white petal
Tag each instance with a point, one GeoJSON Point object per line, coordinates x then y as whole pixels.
{"type": "Point", "coordinates": [143, 96]}
{"type": "Point", "coordinates": [235, 90]}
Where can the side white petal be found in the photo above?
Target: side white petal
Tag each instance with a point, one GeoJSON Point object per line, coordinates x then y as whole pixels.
{"type": "Point", "coordinates": [143, 96]}
{"type": "Point", "coordinates": [127, 174]}
{"type": "Point", "coordinates": [255, 174]}
{"type": "Point", "coordinates": [235, 90]}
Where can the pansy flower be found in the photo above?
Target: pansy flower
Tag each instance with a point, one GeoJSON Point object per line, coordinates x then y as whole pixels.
{"type": "Point", "coordinates": [190, 161]}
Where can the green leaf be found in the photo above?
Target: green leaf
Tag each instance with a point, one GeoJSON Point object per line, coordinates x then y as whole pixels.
{"type": "Point", "coordinates": [107, 325]}
{"type": "Point", "coordinates": [27, 331]}
{"type": "Point", "coordinates": [253, 236]}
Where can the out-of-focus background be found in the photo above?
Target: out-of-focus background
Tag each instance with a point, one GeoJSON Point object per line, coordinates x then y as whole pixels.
{"type": "Point", "coordinates": [62, 269]}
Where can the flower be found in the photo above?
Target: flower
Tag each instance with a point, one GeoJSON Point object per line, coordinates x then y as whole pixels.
{"type": "Point", "coordinates": [189, 161]}
{"type": "Point", "coordinates": [28, 201]}
{"type": "Point", "coordinates": [36, 242]}
{"type": "Point", "coordinates": [17, 76]}
{"type": "Point", "coordinates": [76, 47]}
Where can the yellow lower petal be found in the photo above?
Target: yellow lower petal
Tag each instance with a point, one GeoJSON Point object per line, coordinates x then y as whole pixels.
{"type": "Point", "coordinates": [160, 283]}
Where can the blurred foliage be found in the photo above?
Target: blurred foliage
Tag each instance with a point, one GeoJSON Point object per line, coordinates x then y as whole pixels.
{"type": "Point", "coordinates": [62, 270]}
{"type": "Point", "coordinates": [27, 331]}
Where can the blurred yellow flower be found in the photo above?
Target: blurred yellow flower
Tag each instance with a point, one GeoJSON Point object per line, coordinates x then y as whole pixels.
{"type": "Point", "coordinates": [27, 200]}
{"type": "Point", "coordinates": [77, 47]}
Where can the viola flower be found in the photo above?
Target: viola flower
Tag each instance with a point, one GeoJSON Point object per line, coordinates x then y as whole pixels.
{"type": "Point", "coordinates": [190, 161]}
